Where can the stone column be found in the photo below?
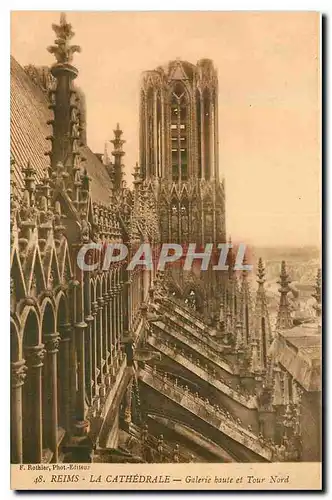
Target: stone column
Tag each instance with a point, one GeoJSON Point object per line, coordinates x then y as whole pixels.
{"type": "Point", "coordinates": [120, 319]}
{"type": "Point", "coordinates": [116, 326]}
{"type": "Point", "coordinates": [111, 332]}
{"type": "Point", "coordinates": [73, 346]}
{"type": "Point", "coordinates": [202, 137]}
{"type": "Point", "coordinates": [100, 357]}
{"type": "Point", "coordinates": [129, 305]}
{"type": "Point", "coordinates": [107, 348]}
{"type": "Point", "coordinates": [52, 344]}
{"type": "Point", "coordinates": [81, 425]}
{"type": "Point", "coordinates": [94, 349]}
{"type": "Point", "coordinates": [88, 319]}
{"type": "Point", "coordinates": [155, 132]}
{"type": "Point", "coordinates": [34, 447]}
{"type": "Point", "coordinates": [88, 354]}
{"type": "Point", "coordinates": [64, 375]}
{"type": "Point", "coordinates": [18, 374]}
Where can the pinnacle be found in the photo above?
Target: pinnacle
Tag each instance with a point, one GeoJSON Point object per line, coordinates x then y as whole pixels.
{"type": "Point", "coordinates": [284, 278]}
{"type": "Point", "coordinates": [260, 272]}
{"type": "Point", "coordinates": [63, 52]}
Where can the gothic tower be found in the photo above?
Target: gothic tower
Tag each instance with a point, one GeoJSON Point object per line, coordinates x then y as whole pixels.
{"type": "Point", "coordinates": [179, 151]}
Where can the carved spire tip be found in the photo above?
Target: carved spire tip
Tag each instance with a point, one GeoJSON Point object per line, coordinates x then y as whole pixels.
{"type": "Point", "coordinates": [63, 19]}
{"type": "Point", "coordinates": [63, 52]}
{"type": "Point", "coordinates": [260, 271]}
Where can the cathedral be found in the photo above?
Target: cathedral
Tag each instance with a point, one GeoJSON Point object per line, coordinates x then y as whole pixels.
{"type": "Point", "coordinates": [123, 365]}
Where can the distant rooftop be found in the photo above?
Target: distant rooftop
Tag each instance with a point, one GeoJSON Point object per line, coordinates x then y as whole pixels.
{"type": "Point", "coordinates": [299, 351]}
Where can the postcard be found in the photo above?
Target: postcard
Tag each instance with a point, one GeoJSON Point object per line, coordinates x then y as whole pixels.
{"type": "Point", "coordinates": [165, 292]}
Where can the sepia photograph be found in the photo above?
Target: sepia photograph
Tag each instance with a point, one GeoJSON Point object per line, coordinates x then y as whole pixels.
{"type": "Point", "coordinates": [165, 250]}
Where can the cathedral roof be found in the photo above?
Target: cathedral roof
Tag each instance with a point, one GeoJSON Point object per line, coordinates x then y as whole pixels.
{"type": "Point", "coordinates": [29, 129]}
{"type": "Point", "coordinates": [299, 350]}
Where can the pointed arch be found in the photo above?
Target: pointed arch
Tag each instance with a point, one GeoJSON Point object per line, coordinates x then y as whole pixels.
{"type": "Point", "coordinates": [15, 341]}
{"type": "Point", "coordinates": [93, 289]}
{"type": "Point", "coordinates": [179, 119]}
{"type": "Point", "coordinates": [30, 327]}
{"type": "Point", "coordinates": [164, 218]}
{"type": "Point", "coordinates": [48, 317]}
{"type": "Point", "coordinates": [53, 274]}
{"type": "Point", "coordinates": [63, 361]}
{"type": "Point", "coordinates": [98, 287]}
{"type": "Point", "coordinates": [36, 278]}
{"type": "Point", "coordinates": [174, 214]}
{"type": "Point", "coordinates": [17, 284]}
{"type": "Point", "coordinates": [65, 267]}
{"type": "Point", "coordinates": [62, 311]}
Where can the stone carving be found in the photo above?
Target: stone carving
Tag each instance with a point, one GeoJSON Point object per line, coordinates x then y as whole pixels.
{"type": "Point", "coordinates": [62, 51]}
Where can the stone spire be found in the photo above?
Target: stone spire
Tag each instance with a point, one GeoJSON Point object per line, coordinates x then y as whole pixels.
{"type": "Point", "coordinates": [261, 317]}
{"type": "Point", "coordinates": [106, 158]}
{"type": "Point", "coordinates": [118, 153]}
{"type": "Point", "coordinates": [230, 258]}
{"type": "Point", "coordinates": [318, 293]}
{"type": "Point", "coordinates": [231, 302]}
{"type": "Point", "coordinates": [245, 305]}
{"type": "Point", "coordinates": [64, 103]}
{"type": "Point", "coordinates": [284, 320]}
{"type": "Point", "coordinates": [137, 176]}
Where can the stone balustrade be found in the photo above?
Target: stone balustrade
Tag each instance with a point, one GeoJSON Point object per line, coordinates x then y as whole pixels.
{"type": "Point", "coordinates": [187, 326]}
{"type": "Point", "coordinates": [159, 446]}
{"type": "Point", "coordinates": [193, 343]}
{"type": "Point", "coordinates": [206, 372]}
{"type": "Point", "coordinates": [204, 409]}
{"type": "Point", "coordinates": [190, 313]}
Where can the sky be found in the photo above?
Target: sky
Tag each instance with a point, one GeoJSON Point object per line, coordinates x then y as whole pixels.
{"type": "Point", "coordinates": [269, 101]}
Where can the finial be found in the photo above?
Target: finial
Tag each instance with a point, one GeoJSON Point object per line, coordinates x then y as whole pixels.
{"type": "Point", "coordinates": [137, 174]}
{"type": "Point", "coordinates": [29, 177]}
{"type": "Point", "coordinates": [284, 278]}
{"type": "Point", "coordinates": [62, 51]}
{"type": "Point", "coordinates": [231, 259]}
{"type": "Point", "coordinates": [63, 20]}
{"type": "Point", "coordinates": [260, 272]}
{"type": "Point", "coordinates": [284, 319]}
{"type": "Point", "coordinates": [117, 133]}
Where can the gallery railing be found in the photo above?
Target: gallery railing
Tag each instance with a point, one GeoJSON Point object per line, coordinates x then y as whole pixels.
{"type": "Point", "coordinates": [172, 329]}
{"type": "Point", "coordinates": [205, 410]}
{"type": "Point", "coordinates": [205, 371]}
